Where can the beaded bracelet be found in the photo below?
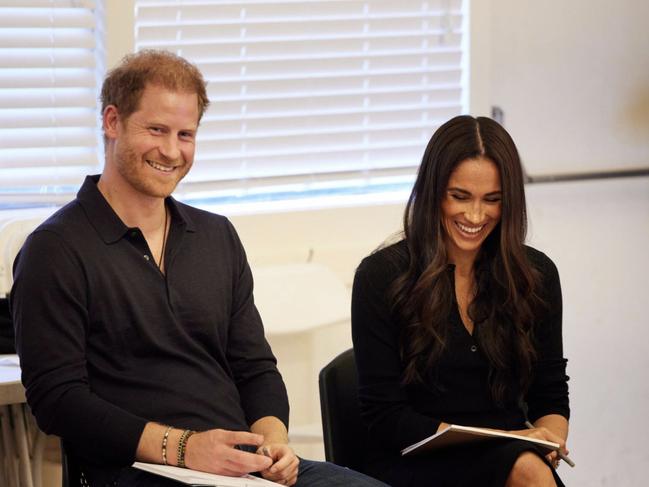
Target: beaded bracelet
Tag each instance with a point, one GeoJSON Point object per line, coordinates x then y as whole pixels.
{"type": "Point", "coordinates": [182, 445]}
{"type": "Point", "coordinates": [165, 438]}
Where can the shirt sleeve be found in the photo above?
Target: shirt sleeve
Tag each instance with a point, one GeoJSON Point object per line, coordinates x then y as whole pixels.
{"type": "Point", "coordinates": [548, 393]}
{"type": "Point", "coordinates": [383, 399]}
{"type": "Point", "coordinates": [49, 310]}
{"type": "Point", "coordinates": [251, 360]}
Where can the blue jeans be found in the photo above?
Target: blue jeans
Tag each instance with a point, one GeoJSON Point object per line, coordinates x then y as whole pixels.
{"type": "Point", "coordinates": [325, 474]}
{"type": "Point", "coordinates": [310, 474]}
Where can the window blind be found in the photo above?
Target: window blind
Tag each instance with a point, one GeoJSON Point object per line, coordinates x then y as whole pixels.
{"type": "Point", "coordinates": [50, 64]}
{"type": "Point", "coordinates": [310, 93]}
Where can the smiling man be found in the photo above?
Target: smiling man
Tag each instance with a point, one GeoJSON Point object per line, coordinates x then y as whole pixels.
{"type": "Point", "coordinates": [134, 315]}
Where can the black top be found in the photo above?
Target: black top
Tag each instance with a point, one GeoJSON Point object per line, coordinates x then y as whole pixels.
{"type": "Point", "coordinates": [398, 415]}
{"type": "Point", "coordinates": [107, 342]}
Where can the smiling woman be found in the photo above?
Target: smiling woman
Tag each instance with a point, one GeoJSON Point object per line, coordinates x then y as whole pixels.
{"type": "Point", "coordinates": [471, 206]}
{"type": "Point", "coordinates": [460, 322]}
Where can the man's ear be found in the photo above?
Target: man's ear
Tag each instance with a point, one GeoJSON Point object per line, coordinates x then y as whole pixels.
{"type": "Point", "coordinates": [110, 121]}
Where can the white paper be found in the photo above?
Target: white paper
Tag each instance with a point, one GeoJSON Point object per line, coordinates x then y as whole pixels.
{"type": "Point", "coordinates": [194, 477]}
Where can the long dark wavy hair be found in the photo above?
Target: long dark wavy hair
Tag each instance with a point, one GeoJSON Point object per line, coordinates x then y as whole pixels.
{"type": "Point", "coordinates": [506, 296]}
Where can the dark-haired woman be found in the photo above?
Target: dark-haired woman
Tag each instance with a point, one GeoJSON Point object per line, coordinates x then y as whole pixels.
{"type": "Point", "coordinates": [460, 323]}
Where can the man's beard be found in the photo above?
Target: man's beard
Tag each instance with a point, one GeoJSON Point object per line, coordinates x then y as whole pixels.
{"type": "Point", "coordinates": [130, 166]}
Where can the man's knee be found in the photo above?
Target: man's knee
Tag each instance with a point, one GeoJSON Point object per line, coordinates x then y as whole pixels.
{"type": "Point", "coordinates": [530, 471]}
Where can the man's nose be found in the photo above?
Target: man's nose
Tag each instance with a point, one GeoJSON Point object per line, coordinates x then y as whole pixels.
{"type": "Point", "coordinates": [169, 148]}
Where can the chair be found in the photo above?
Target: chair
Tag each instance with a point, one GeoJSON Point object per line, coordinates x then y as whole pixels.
{"type": "Point", "coordinates": [70, 471]}
{"type": "Point", "coordinates": [345, 436]}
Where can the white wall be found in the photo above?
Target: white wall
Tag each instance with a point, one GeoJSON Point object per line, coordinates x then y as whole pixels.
{"type": "Point", "coordinates": [571, 76]}
{"type": "Point", "coordinates": [597, 234]}
{"type": "Point", "coordinates": [568, 104]}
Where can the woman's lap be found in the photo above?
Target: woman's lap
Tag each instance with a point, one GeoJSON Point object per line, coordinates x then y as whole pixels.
{"type": "Point", "coordinates": [484, 464]}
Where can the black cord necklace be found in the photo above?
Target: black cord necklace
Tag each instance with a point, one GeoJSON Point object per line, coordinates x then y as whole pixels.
{"type": "Point", "coordinates": [164, 241]}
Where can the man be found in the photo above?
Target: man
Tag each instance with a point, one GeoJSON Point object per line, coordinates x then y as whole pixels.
{"type": "Point", "coordinates": [134, 315]}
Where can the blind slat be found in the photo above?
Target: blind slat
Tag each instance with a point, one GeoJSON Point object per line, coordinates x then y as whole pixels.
{"type": "Point", "coordinates": [46, 157]}
{"type": "Point", "coordinates": [47, 18]}
{"type": "Point", "coordinates": [41, 58]}
{"type": "Point", "coordinates": [52, 38]}
{"type": "Point", "coordinates": [48, 97]}
{"type": "Point", "coordinates": [51, 77]}
{"type": "Point", "coordinates": [54, 117]}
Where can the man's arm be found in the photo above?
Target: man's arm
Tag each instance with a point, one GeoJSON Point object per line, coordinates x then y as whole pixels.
{"type": "Point", "coordinates": [208, 451]}
{"type": "Point", "coordinates": [49, 310]}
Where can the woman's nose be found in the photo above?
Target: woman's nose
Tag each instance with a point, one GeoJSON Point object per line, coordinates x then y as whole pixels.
{"type": "Point", "coordinates": [475, 213]}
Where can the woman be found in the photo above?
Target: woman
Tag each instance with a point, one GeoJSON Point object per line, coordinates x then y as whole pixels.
{"type": "Point", "coordinates": [460, 323]}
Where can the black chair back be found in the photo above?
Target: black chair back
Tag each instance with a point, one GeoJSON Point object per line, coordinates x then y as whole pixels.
{"type": "Point", "coordinates": [70, 470]}
{"type": "Point", "coordinates": [345, 436]}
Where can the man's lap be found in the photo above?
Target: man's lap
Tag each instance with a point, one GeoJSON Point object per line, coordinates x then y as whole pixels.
{"type": "Point", "coordinates": [325, 474]}
{"type": "Point", "coordinates": [310, 474]}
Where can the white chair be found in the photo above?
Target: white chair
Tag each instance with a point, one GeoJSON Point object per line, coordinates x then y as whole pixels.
{"type": "Point", "coordinates": [14, 228]}
{"type": "Point", "coordinates": [22, 443]}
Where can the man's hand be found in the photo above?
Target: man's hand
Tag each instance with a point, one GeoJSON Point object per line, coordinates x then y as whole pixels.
{"type": "Point", "coordinates": [214, 451]}
{"type": "Point", "coordinates": [285, 463]}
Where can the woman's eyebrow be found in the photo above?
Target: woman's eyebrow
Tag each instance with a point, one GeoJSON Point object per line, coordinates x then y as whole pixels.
{"type": "Point", "coordinates": [459, 190]}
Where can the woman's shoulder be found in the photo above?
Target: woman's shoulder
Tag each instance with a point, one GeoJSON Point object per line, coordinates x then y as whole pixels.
{"type": "Point", "coordinates": [541, 262]}
{"type": "Point", "coordinates": [385, 263]}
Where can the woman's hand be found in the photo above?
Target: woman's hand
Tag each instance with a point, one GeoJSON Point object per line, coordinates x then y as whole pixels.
{"type": "Point", "coordinates": [543, 433]}
{"type": "Point", "coordinates": [285, 463]}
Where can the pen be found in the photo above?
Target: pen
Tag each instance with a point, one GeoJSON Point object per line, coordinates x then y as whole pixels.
{"type": "Point", "coordinates": [563, 457]}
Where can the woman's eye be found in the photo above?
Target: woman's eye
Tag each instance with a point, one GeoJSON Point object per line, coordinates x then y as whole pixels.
{"type": "Point", "coordinates": [459, 197]}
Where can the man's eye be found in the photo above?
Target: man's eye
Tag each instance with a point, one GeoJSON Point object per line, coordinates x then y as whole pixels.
{"type": "Point", "coordinates": [157, 130]}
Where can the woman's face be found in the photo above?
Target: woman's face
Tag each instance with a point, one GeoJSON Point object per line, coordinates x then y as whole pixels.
{"type": "Point", "coordinates": [471, 207]}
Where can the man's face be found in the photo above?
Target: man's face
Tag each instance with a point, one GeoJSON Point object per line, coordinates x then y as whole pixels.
{"type": "Point", "coordinates": [154, 147]}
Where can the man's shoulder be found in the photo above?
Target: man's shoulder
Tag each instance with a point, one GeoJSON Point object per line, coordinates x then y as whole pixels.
{"type": "Point", "coordinates": [67, 220]}
{"type": "Point", "coordinates": [211, 228]}
{"type": "Point", "coordinates": [200, 217]}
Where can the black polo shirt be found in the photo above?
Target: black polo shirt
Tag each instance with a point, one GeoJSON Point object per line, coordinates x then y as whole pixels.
{"type": "Point", "coordinates": [107, 342]}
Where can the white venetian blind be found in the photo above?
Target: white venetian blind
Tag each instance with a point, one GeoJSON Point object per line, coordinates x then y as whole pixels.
{"type": "Point", "coordinates": [309, 91]}
{"type": "Point", "coordinates": [49, 63]}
